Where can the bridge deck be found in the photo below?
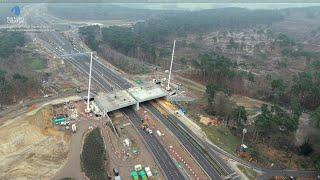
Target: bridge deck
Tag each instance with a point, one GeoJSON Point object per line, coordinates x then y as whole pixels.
{"type": "Point", "coordinates": [108, 102]}
{"type": "Point", "coordinates": [142, 94]}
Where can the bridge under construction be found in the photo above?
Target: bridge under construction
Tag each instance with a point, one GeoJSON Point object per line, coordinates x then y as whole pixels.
{"type": "Point", "coordinates": [108, 102]}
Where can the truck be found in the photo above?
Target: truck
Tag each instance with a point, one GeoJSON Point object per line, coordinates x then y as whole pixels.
{"type": "Point", "coordinates": [74, 128]}
{"type": "Point", "coordinates": [148, 171]}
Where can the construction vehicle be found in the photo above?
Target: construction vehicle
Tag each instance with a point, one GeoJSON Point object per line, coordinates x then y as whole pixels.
{"type": "Point", "coordinates": [165, 114]}
{"type": "Point", "coordinates": [74, 128]}
{"type": "Point", "coordinates": [144, 126]}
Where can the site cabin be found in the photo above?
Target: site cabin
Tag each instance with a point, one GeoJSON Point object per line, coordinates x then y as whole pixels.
{"type": "Point", "coordinates": [138, 167]}
{"type": "Point", "coordinates": [134, 175]}
{"type": "Point", "coordinates": [59, 120]}
{"type": "Point", "coordinates": [143, 175]}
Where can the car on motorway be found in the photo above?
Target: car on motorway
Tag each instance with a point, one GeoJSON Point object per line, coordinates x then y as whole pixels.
{"type": "Point", "coordinates": [148, 130]}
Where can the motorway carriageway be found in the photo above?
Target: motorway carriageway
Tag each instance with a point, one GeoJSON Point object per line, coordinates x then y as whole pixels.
{"type": "Point", "coordinates": [161, 155]}
{"type": "Point", "coordinates": [210, 164]}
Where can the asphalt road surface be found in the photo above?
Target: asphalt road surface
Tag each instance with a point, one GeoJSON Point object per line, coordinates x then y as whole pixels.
{"type": "Point", "coordinates": [168, 166]}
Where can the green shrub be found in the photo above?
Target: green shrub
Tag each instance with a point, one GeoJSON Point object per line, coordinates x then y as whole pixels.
{"type": "Point", "coordinates": [306, 148]}
{"type": "Point", "coordinates": [93, 156]}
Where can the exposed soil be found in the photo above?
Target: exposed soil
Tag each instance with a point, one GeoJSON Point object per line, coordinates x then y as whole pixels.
{"type": "Point", "coordinates": [31, 148]}
{"type": "Point", "coordinates": [125, 158]}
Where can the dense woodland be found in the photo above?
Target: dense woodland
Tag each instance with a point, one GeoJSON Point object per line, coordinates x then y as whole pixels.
{"type": "Point", "coordinates": [17, 79]}
{"type": "Point", "coordinates": [141, 40]}
{"type": "Point", "coordinates": [164, 27]}
{"type": "Point", "coordinates": [278, 120]}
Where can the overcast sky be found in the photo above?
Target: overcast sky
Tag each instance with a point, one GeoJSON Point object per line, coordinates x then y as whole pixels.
{"type": "Point", "coordinates": [198, 6]}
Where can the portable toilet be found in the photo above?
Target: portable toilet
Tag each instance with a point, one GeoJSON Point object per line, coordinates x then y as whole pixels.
{"type": "Point", "coordinates": [134, 175]}
{"type": "Point", "coordinates": [143, 175]}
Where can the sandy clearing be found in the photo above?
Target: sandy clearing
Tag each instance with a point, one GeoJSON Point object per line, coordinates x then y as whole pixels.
{"type": "Point", "coordinates": [30, 148]}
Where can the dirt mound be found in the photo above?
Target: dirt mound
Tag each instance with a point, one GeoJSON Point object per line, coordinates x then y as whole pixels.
{"type": "Point", "coordinates": [30, 148]}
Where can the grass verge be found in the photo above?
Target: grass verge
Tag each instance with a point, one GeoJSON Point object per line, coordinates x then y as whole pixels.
{"type": "Point", "coordinates": [35, 63]}
{"type": "Point", "coordinates": [222, 137]}
{"type": "Point", "coordinates": [250, 173]}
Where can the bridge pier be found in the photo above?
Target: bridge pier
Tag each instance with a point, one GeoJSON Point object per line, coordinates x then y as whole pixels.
{"type": "Point", "coordinates": [137, 106]}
